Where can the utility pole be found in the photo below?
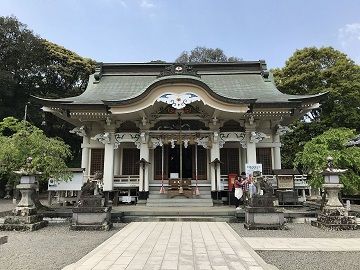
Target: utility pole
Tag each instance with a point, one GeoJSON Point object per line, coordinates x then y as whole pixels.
{"type": "Point", "coordinates": [26, 108]}
{"type": "Point", "coordinates": [25, 114]}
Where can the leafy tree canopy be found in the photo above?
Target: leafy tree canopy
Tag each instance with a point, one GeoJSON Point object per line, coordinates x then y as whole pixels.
{"type": "Point", "coordinates": [332, 142]}
{"type": "Point", "coordinates": [205, 55]}
{"type": "Point", "coordinates": [315, 70]}
{"type": "Point", "coordinates": [20, 139]}
{"type": "Point", "coordinates": [30, 65]}
{"type": "Point", "coordinates": [294, 141]}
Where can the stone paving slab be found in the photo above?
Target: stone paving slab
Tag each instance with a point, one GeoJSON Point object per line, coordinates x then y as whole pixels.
{"type": "Point", "coordinates": [304, 244]}
{"type": "Point", "coordinates": [173, 245]}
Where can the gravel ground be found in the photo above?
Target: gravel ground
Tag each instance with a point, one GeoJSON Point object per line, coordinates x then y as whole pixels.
{"type": "Point", "coordinates": [52, 247]}
{"type": "Point", "coordinates": [56, 246]}
{"type": "Point", "coordinates": [288, 260]}
{"type": "Point", "coordinates": [295, 231]}
{"type": "Point", "coordinates": [294, 260]}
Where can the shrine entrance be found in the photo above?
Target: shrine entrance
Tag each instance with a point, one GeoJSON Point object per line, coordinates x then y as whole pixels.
{"type": "Point", "coordinates": [180, 163]}
{"type": "Point", "coordinates": [186, 162]}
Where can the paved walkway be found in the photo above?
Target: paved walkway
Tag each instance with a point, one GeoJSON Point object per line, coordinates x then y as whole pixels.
{"type": "Point", "coordinates": [304, 244]}
{"type": "Point", "coordinates": [173, 245]}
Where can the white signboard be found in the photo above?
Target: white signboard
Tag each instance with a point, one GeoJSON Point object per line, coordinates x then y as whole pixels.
{"type": "Point", "coordinates": [74, 184]}
{"type": "Point", "coordinates": [174, 175]}
{"type": "Point", "coordinates": [251, 168]}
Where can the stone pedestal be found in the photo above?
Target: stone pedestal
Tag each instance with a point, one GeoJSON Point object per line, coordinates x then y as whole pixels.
{"type": "Point", "coordinates": [25, 215]}
{"type": "Point", "coordinates": [335, 219]}
{"type": "Point", "coordinates": [91, 215]}
{"type": "Point", "coordinates": [261, 214]}
{"type": "Point", "coordinates": [334, 216]}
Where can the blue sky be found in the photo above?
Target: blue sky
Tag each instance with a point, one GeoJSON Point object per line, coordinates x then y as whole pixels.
{"type": "Point", "coordinates": [145, 30]}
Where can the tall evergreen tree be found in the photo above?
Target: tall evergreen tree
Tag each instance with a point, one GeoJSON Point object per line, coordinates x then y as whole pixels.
{"type": "Point", "coordinates": [315, 70]}
{"type": "Point", "coordinates": [205, 55]}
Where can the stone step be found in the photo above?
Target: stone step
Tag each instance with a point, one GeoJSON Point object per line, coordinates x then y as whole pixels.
{"type": "Point", "coordinates": [176, 212]}
{"type": "Point", "coordinates": [157, 188]}
{"type": "Point", "coordinates": [178, 199]}
{"type": "Point", "coordinates": [179, 204]}
{"type": "Point", "coordinates": [164, 196]}
{"type": "Point", "coordinates": [178, 218]}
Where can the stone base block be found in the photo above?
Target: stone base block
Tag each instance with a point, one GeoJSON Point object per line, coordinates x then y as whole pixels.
{"type": "Point", "coordinates": [336, 223]}
{"type": "Point", "coordinates": [91, 201]}
{"type": "Point", "coordinates": [23, 226]}
{"type": "Point", "coordinates": [335, 227]}
{"type": "Point", "coordinates": [24, 211]}
{"type": "Point", "coordinates": [91, 218]}
{"type": "Point", "coordinates": [23, 219]}
{"type": "Point", "coordinates": [89, 227]}
{"type": "Point", "coordinates": [258, 218]}
{"type": "Point", "coordinates": [264, 226]}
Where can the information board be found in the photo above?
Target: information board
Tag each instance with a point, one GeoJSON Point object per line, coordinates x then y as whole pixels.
{"type": "Point", "coordinates": [285, 181]}
{"type": "Point", "coordinates": [251, 168]}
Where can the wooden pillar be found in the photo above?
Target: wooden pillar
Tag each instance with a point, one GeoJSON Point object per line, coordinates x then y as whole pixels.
{"type": "Point", "coordinates": [277, 152]}
{"type": "Point", "coordinates": [109, 165]}
{"type": "Point", "coordinates": [85, 155]}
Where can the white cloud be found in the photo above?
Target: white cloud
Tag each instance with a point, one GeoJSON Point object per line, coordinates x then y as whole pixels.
{"type": "Point", "coordinates": [123, 3]}
{"type": "Point", "coordinates": [349, 38]}
{"type": "Point", "coordinates": [146, 4]}
{"type": "Point", "coordinates": [115, 2]}
{"type": "Point", "coordinates": [349, 33]}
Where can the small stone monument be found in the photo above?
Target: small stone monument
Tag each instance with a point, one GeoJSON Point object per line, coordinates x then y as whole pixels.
{"type": "Point", "coordinates": [25, 216]}
{"type": "Point", "coordinates": [261, 213]}
{"type": "Point", "coordinates": [333, 215]}
{"type": "Point", "coordinates": [90, 213]}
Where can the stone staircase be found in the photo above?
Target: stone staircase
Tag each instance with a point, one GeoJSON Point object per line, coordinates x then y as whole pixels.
{"type": "Point", "coordinates": [161, 200]}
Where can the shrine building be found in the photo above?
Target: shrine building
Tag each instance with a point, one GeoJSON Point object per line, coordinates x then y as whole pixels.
{"type": "Point", "coordinates": [145, 123]}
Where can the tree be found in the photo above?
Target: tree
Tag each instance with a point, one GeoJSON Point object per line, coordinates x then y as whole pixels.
{"type": "Point", "coordinates": [206, 55]}
{"type": "Point", "coordinates": [64, 73]}
{"type": "Point", "coordinates": [312, 159]}
{"type": "Point", "coordinates": [294, 141]}
{"type": "Point", "coordinates": [315, 70]}
{"type": "Point", "coordinates": [20, 140]}
{"type": "Point", "coordinates": [20, 57]}
{"type": "Point", "coordinates": [30, 65]}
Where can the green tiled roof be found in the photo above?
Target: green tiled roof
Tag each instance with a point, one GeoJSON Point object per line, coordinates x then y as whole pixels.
{"type": "Point", "coordinates": [234, 85]}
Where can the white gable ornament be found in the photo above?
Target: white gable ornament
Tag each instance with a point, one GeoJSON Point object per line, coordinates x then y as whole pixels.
{"type": "Point", "coordinates": [178, 101]}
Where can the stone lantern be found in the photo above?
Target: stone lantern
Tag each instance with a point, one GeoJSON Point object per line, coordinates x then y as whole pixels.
{"type": "Point", "coordinates": [25, 215]}
{"type": "Point", "coordinates": [334, 215]}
